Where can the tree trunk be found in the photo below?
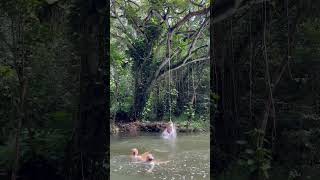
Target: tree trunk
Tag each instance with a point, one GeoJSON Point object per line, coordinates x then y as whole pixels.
{"type": "Point", "coordinates": [143, 73]}
{"type": "Point", "coordinates": [20, 119]}
{"type": "Point", "coordinates": [141, 95]}
{"type": "Point", "coordinates": [90, 141]}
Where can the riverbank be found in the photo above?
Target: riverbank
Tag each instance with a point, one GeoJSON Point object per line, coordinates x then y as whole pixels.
{"type": "Point", "coordinates": [135, 127]}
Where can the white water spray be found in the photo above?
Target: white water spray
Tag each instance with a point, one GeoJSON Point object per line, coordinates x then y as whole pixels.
{"type": "Point", "coordinates": [170, 132]}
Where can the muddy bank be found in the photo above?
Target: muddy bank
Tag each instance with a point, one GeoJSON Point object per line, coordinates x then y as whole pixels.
{"type": "Point", "coordinates": [136, 127]}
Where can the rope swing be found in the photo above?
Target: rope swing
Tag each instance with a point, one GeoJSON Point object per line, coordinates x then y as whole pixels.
{"type": "Point", "coordinates": [170, 90]}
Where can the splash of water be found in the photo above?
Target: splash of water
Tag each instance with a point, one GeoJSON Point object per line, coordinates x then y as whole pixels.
{"type": "Point", "coordinates": [170, 135]}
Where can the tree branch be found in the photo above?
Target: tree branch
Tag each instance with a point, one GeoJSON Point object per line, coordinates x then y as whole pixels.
{"type": "Point", "coordinates": [188, 16]}
{"type": "Point", "coordinates": [163, 64]}
{"type": "Point", "coordinates": [182, 64]}
{"type": "Point", "coordinates": [122, 25]}
{"type": "Point", "coordinates": [190, 51]}
{"type": "Point", "coordinates": [197, 35]}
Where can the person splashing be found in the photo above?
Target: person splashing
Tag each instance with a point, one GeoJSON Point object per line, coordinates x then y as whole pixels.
{"type": "Point", "coordinates": [146, 159]}
{"type": "Point", "coordinates": [169, 132]}
{"type": "Point", "coordinates": [136, 157]}
{"type": "Point", "coordinates": [152, 162]}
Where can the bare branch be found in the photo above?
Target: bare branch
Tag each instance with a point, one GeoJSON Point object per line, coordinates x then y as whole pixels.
{"type": "Point", "coordinates": [158, 15]}
{"type": "Point", "coordinates": [187, 57]}
{"type": "Point", "coordinates": [188, 16]}
{"type": "Point", "coordinates": [180, 65]}
{"type": "Point", "coordinates": [122, 25]}
{"type": "Point", "coordinates": [190, 52]}
{"type": "Point", "coordinates": [164, 63]}
{"type": "Point", "coordinates": [186, 32]}
{"type": "Point", "coordinates": [134, 23]}
{"type": "Point", "coordinates": [204, 24]}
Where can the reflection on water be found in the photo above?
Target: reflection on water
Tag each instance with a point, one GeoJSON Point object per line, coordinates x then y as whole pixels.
{"type": "Point", "coordinates": [189, 155]}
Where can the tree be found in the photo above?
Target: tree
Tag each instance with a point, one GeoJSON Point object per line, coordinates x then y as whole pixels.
{"type": "Point", "coordinates": [160, 34]}
{"type": "Point", "coordinates": [19, 42]}
{"type": "Point", "coordinates": [90, 140]}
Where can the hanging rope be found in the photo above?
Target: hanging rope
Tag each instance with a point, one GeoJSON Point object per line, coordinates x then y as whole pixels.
{"type": "Point", "coordinates": [169, 89]}
{"type": "Point", "coordinates": [169, 64]}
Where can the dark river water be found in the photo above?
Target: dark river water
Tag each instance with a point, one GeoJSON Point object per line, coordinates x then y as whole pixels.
{"type": "Point", "coordinates": [189, 156]}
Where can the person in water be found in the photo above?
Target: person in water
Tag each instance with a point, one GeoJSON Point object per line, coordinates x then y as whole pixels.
{"type": "Point", "coordinates": [146, 158]}
{"type": "Point", "coordinates": [136, 157]}
{"type": "Point", "coordinates": [169, 132]}
{"type": "Point", "coordinates": [152, 162]}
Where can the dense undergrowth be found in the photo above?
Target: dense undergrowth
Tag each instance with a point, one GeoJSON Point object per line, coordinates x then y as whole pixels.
{"type": "Point", "coordinates": [42, 154]}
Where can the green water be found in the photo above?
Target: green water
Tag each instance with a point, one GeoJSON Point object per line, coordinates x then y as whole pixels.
{"type": "Point", "coordinates": [189, 155]}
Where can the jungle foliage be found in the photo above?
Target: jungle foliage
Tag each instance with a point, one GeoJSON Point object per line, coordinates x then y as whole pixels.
{"type": "Point", "coordinates": [159, 56]}
{"type": "Point", "coordinates": [265, 72]}
{"type": "Point", "coordinates": [253, 66]}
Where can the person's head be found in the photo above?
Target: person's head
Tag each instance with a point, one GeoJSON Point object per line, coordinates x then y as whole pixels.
{"type": "Point", "coordinates": [169, 127]}
{"type": "Point", "coordinates": [134, 151]}
{"type": "Point", "coordinates": [149, 158]}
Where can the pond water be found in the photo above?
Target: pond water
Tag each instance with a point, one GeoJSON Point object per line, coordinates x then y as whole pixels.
{"type": "Point", "coordinates": [189, 155]}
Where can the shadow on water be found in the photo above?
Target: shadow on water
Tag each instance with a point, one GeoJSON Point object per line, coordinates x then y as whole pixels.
{"type": "Point", "coordinates": [188, 155]}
